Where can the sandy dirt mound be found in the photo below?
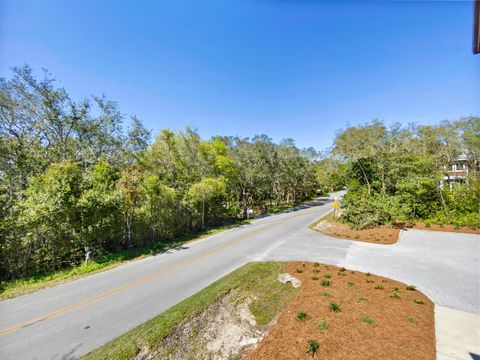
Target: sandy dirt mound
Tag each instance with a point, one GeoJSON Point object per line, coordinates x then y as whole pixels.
{"type": "Point", "coordinates": [225, 330]}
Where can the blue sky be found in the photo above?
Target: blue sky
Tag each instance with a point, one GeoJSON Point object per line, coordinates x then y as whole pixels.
{"type": "Point", "coordinates": [299, 68]}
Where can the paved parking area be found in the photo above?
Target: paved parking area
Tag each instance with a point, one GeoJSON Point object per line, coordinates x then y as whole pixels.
{"type": "Point", "coordinates": [445, 266]}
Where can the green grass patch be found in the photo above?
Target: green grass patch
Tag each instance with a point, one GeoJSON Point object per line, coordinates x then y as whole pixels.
{"type": "Point", "coordinates": [13, 288]}
{"type": "Point", "coordinates": [328, 217]}
{"type": "Point", "coordinates": [257, 281]}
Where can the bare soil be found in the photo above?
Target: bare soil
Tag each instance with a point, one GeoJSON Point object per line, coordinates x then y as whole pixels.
{"type": "Point", "coordinates": [379, 235]}
{"type": "Point", "coordinates": [373, 323]}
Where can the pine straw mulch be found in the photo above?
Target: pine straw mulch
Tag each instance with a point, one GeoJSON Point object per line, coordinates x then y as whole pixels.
{"type": "Point", "coordinates": [447, 228]}
{"type": "Point", "coordinates": [379, 235]}
{"type": "Point", "coordinates": [402, 328]}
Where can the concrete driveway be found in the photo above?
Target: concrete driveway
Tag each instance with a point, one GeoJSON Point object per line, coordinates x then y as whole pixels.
{"type": "Point", "coordinates": [445, 266]}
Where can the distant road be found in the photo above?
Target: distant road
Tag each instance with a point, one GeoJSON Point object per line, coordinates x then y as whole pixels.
{"type": "Point", "coordinates": [71, 319]}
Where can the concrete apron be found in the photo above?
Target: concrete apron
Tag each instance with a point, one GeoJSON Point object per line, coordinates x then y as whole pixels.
{"type": "Point", "coordinates": [457, 334]}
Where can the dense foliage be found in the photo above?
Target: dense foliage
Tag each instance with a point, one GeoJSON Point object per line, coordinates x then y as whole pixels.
{"type": "Point", "coordinates": [71, 178]}
{"type": "Point", "coordinates": [400, 174]}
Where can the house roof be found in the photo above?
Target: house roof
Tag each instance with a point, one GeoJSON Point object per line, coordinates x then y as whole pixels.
{"type": "Point", "coordinates": [476, 27]}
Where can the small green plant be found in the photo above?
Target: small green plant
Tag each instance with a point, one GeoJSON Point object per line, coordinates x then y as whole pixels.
{"type": "Point", "coordinates": [325, 283]}
{"type": "Point", "coordinates": [420, 302]}
{"type": "Point", "coordinates": [361, 298]}
{"type": "Point", "coordinates": [299, 270]}
{"type": "Point", "coordinates": [342, 269]}
{"type": "Point", "coordinates": [411, 319]}
{"type": "Point", "coordinates": [313, 347]}
{"type": "Point", "coordinates": [334, 307]}
{"type": "Point", "coordinates": [428, 223]}
{"type": "Point", "coordinates": [367, 320]}
{"type": "Point", "coordinates": [350, 283]}
{"type": "Point", "coordinates": [411, 287]}
{"type": "Point", "coordinates": [326, 294]}
{"type": "Point", "coordinates": [394, 294]}
{"type": "Point", "coordinates": [301, 315]}
{"type": "Point", "coordinates": [341, 274]}
{"type": "Point", "coordinates": [315, 271]}
{"type": "Point", "coordinates": [322, 325]}
{"type": "Point", "coordinates": [316, 264]}
{"type": "Point", "coordinates": [328, 276]}
{"type": "Point", "coordinates": [314, 277]}
{"type": "Point", "coordinates": [368, 274]}
{"type": "Point", "coordinates": [378, 287]}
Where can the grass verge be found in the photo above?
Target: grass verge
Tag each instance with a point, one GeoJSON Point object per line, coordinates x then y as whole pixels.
{"type": "Point", "coordinates": [14, 288]}
{"type": "Point", "coordinates": [257, 281]}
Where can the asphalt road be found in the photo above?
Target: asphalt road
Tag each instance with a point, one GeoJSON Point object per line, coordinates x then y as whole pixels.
{"type": "Point", "coordinates": [74, 318]}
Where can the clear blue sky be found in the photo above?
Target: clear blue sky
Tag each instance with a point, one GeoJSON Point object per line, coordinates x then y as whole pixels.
{"type": "Point", "coordinates": [299, 69]}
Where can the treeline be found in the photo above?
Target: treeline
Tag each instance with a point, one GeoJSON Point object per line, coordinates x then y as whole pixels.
{"type": "Point", "coordinates": [71, 178]}
{"type": "Point", "coordinates": [401, 174]}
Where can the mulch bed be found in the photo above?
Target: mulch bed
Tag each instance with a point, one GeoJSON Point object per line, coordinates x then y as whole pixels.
{"type": "Point", "coordinates": [448, 228]}
{"type": "Point", "coordinates": [380, 235]}
{"type": "Point", "coordinates": [400, 328]}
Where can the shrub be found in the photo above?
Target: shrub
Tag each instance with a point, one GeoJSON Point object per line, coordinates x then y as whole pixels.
{"type": "Point", "coordinates": [342, 269]}
{"type": "Point", "coordinates": [368, 274]}
{"type": "Point", "coordinates": [378, 287]}
{"type": "Point", "coordinates": [299, 270]}
{"type": "Point", "coordinates": [325, 283]}
{"type": "Point", "coordinates": [361, 298]}
{"type": "Point", "coordinates": [313, 347]}
{"type": "Point", "coordinates": [326, 294]}
{"type": "Point", "coordinates": [394, 294]}
{"type": "Point", "coordinates": [364, 211]}
{"type": "Point", "coordinates": [316, 264]}
{"type": "Point", "coordinates": [314, 277]}
{"type": "Point", "coordinates": [334, 307]}
{"type": "Point", "coordinates": [350, 283]}
{"type": "Point", "coordinates": [315, 271]}
{"type": "Point", "coordinates": [322, 325]}
{"type": "Point", "coordinates": [367, 320]}
{"type": "Point", "coordinates": [411, 287]}
{"type": "Point", "coordinates": [328, 276]}
{"type": "Point", "coordinates": [301, 315]}
{"type": "Point", "coordinates": [411, 319]}
{"type": "Point", "coordinates": [420, 302]}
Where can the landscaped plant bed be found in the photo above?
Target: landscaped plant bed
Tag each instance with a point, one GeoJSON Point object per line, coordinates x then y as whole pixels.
{"type": "Point", "coordinates": [448, 228]}
{"type": "Point", "coordinates": [350, 315]}
{"type": "Point", "coordinates": [332, 227]}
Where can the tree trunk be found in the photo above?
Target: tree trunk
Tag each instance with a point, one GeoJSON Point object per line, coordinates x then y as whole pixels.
{"type": "Point", "coordinates": [364, 176]}
{"type": "Point", "coordinates": [203, 214]}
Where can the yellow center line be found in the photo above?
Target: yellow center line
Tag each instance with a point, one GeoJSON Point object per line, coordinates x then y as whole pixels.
{"type": "Point", "coordinates": [140, 281]}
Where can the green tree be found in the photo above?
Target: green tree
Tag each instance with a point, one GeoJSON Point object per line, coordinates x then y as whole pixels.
{"type": "Point", "coordinates": [204, 192]}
